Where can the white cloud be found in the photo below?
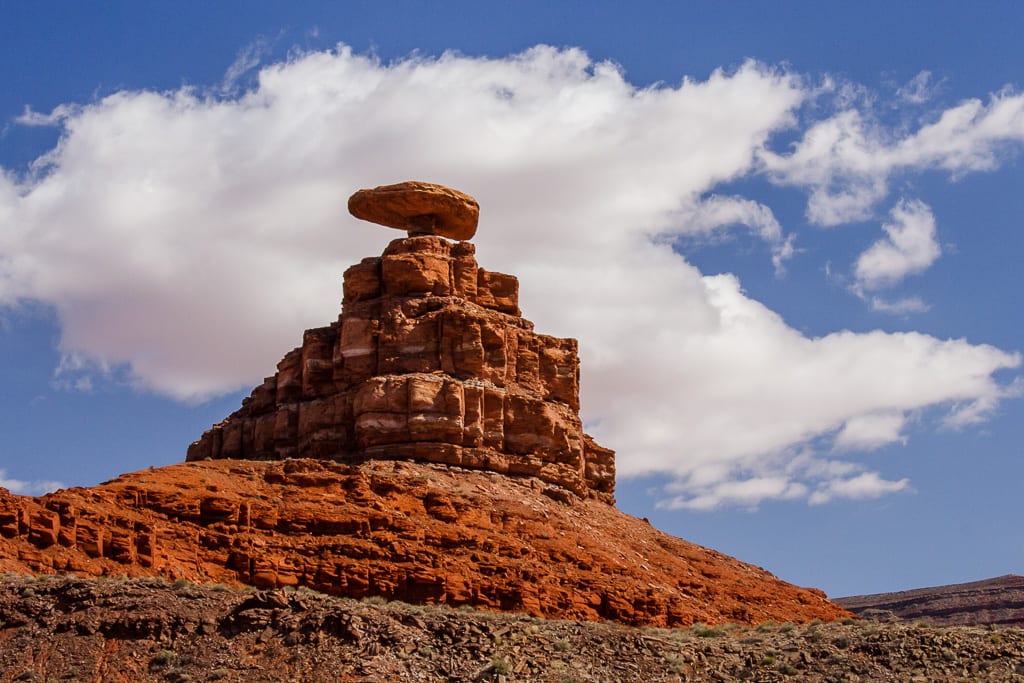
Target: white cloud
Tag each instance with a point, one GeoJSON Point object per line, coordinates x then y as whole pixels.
{"type": "Point", "coordinates": [863, 486]}
{"type": "Point", "coordinates": [185, 241]}
{"type": "Point", "coordinates": [28, 488]}
{"type": "Point", "coordinates": [248, 58]}
{"type": "Point", "coordinates": [868, 432]}
{"type": "Point", "coordinates": [919, 89]}
{"type": "Point", "coordinates": [847, 159]}
{"type": "Point", "coordinates": [54, 118]}
{"type": "Point", "coordinates": [717, 212]}
{"type": "Point", "coordinates": [909, 247]}
{"type": "Point", "coordinates": [746, 493]}
{"type": "Point", "coordinates": [901, 306]}
{"type": "Point", "coordinates": [980, 409]}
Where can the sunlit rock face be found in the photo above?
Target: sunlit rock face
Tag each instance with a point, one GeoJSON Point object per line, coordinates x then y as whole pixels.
{"type": "Point", "coordinates": [429, 361]}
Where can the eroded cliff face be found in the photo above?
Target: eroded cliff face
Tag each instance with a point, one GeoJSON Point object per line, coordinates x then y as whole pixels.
{"type": "Point", "coordinates": [429, 361]}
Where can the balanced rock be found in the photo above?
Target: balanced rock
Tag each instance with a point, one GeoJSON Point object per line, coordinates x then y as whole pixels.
{"type": "Point", "coordinates": [419, 208]}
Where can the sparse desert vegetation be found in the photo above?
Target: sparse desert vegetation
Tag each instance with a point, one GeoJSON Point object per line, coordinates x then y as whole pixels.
{"type": "Point", "coordinates": [150, 631]}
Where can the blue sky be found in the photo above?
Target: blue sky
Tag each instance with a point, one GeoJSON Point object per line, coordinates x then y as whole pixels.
{"type": "Point", "coordinates": [787, 237]}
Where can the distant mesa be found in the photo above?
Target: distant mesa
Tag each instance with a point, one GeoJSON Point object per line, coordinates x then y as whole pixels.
{"type": "Point", "coordinates": [992, 601]}
{"type": "Point", "coordinates": [418, 208]}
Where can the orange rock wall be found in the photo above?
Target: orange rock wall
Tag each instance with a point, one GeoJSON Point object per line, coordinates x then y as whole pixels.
{"type": "Point", "coordinates": [431, 361]}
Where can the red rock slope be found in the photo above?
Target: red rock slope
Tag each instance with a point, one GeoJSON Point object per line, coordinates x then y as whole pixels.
{"type": "Point", "coordinates": [418, 532]}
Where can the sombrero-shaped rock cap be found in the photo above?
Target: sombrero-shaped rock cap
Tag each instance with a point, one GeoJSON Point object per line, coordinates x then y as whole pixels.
{"type": "Point", "coordinates": [419, 208]}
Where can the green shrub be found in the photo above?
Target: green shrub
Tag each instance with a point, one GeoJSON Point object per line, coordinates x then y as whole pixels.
{"type": "Point", "coordinates": [500, 665]}
{"type": "Point", "coordinates": [704, 631]}
{"type": "Point", "coordinates": [676, 664]}
{"type": "Point", "coordinates": [163, 658]}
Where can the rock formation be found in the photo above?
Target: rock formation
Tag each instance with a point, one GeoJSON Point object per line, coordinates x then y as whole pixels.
{"type": "Point", "coordinates": [419, 209]}
{"type": "Point", "coordinates": [429, 361]}
{"type": "Point", "coordinates": [425, 447]}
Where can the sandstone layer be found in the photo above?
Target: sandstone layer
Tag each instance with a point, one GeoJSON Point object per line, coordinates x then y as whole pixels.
{"type": "Point", "coordinates": [431, 361]}
{"type": "Point", "coordinates": [404, 530]}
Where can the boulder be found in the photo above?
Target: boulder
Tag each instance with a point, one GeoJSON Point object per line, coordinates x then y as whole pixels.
{"type": "Point", "coordinates": [419, 208]}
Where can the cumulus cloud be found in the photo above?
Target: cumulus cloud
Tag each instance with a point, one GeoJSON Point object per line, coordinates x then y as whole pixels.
{"type": "Point", "coordinates": [909, 247]}
{"type": "Point", "coordinates": [185, 239]}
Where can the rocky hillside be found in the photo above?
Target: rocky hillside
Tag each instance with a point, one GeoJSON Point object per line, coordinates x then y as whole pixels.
{"type": "Point", "coordinates": [141, 630]}
{"type": "Point", "coordinates": [995, 601]}
{"type": "Point", "coordinates": [418, 532]}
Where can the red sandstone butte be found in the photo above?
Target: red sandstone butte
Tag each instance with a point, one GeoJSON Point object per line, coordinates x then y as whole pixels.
{"type": "Point", "coordinates": [426, 446]}
{"type": "Point", "coordinates": [430, 361]}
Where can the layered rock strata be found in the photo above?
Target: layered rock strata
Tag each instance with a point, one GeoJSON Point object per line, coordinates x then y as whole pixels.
{"type": "Point", "coordinates": [417, 532]}
{"type": "Point", "coordinates": [430, 361]}
{"type": "Point", "coordinates": [993, 601]}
